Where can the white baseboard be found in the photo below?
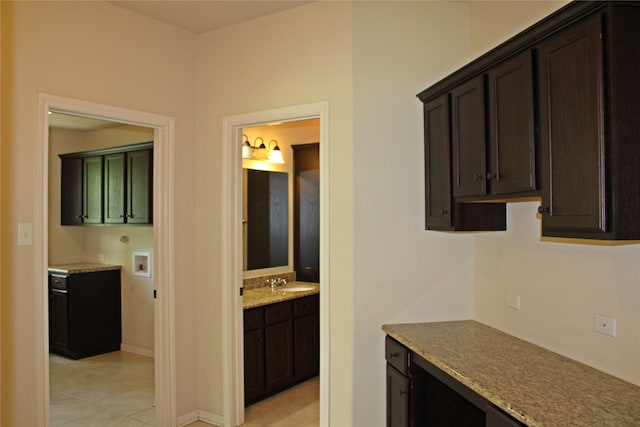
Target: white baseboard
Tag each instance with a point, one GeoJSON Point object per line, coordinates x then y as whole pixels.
{"type": "Point", "coordinates": [209, 418]}
{"type": "Point", "coordinates": [136, 350]}
{"type": "Point", "coordinates": [197, 415]}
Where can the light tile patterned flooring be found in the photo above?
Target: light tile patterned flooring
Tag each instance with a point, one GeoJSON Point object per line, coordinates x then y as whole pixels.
{"type": "Point", "coordinates": [116, 389]}
{"type": "Point", "coordinates": [112, 389]}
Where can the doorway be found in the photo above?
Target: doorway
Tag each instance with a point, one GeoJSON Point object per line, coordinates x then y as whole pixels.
{"type": "Point", "coordinates": [233, 381]}
{"type": "Point", "coordinates": [115, 383]}
{"type": "Point", "coordinates": [164, 376]}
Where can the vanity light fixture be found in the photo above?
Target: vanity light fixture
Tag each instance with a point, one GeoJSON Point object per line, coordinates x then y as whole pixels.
{"type": "Point", "coordinates": [275, 155]}
{"type": "Point", "coordinates": [260, 152]}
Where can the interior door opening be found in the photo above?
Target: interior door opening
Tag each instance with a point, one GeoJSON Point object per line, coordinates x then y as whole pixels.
{"type": "Point", "coordinates": [163, 375]}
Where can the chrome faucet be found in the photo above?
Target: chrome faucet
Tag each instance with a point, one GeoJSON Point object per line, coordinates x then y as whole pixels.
{"type": "Point", "coordinates": [276, 283]}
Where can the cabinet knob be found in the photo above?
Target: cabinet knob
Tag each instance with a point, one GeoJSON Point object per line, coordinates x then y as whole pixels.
{"type": "Point", "coordinates": [477, 177]}
{"type": "Point", "coordinates": [392, 355]}
{"type": "Point", "coordinates": [491, 176]}
{"type": "Point", "coordinates": [543, 209]}
{"type": "Point", "coordinates": [403, 392]}
{"type": "Point", "coordinates": [444, 212]}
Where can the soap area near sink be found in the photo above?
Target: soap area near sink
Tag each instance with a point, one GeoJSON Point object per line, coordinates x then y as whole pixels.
{"type": "Point", "coordinates": [258, 290]}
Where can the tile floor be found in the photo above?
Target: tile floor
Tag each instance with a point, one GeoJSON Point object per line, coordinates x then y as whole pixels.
{"type": "Point", "coordinates": [116, 389]}
{"type": "Point", "coordinates": [112, 389]}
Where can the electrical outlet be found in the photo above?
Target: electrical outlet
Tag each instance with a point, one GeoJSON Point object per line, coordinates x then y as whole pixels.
{"type": "Point", "coordinates": [513, 301]}
{"type": "Point", "coordinates": [605, 325]}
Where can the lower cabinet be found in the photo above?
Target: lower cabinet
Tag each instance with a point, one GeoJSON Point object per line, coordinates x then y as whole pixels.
{"type": "Point", "coordinates": [84, 313]}
{"type": "Point", "coordinates": [420, 394]}
{"type": "Point", "coordinates": [281, 346]}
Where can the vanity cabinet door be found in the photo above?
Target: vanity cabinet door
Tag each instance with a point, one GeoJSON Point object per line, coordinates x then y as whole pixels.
{"type": "Point", "coordinates": [306, 337]}
{"type": "Point", "coordinates": [279, 355]}
{"type": "Point", "coordinates": [254, 369]}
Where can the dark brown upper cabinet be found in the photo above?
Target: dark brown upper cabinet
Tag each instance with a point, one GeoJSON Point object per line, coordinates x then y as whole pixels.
{"type": "Point", "coordinates": [502, 161]}
{"type": "Point", "coordinates": [111, 186]}
{"type": "Point", "coordinates": [127, 187]}
{"type": "Point", "coordinates": [590, 127]}
{"type": "Point", "coordinates": [441, 212]}
{"type": "Point", "coordinates": [512, 144]}
{"type": "Point", "coordinates": [81, 190]}
{"type": "Point", "coordinates": [552, 112]}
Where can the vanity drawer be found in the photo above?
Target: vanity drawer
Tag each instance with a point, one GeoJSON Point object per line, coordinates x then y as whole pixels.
{"type": "Point", "coordinates": [397, 355]}
{"type": "Point", "coordinates": [253, 318]}
{"type": "Point", "coordinates": [306, 305]}
{"type": "Point", "coordinates": [276, 313]}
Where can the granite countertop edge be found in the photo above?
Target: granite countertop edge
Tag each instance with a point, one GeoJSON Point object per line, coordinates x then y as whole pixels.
{"type": "Point", "coordinates": [258, 297]}
{"type": "Point", "coordinates": [436, 343]}
{"type": "Point", "coordinates": [82, 267]}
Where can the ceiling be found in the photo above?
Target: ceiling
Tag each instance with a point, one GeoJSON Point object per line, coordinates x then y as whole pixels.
{"type": "Point", "coordinates": [206, 15]}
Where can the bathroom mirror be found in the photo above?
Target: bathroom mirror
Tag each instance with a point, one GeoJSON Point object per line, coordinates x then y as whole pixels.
{"type": "Point", "coordinates": [265, 219]}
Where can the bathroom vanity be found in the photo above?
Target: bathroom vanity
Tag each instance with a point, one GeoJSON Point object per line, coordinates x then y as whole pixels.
{"type": "Point", "coordinates": [281, 338]}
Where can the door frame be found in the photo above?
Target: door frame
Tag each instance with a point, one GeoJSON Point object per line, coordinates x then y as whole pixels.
{"type": "Point", "coordinates": [233, 348]}
{"type": "Point", "coordinates": [163, 232]}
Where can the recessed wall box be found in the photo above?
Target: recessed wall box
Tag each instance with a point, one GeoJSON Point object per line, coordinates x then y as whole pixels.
{"type": "Point", "coordinates": [142, 264]}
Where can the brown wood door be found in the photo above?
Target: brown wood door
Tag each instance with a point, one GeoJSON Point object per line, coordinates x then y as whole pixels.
{"type": "Point", "coordinates": [468, 138]}
{"type": "Point", "coordinates": [254, 368]}
{"type": "Point", "coordinates": [512, 149]}
{"type": "Point", "coordinates": [139, 187]}
{"type": "Point", "coordinates": [92, 190]}
{"type": "Point", "coordinates": [572, 130]}
{"type": "Point", "coordinates": [437, 160]}
{"type": "Point", "coordinates": [306, 224]}
{"type": "Point", "coordinates": [279, 355]}
{"type": "Point", "coordinates": [71, 212]}
{"type": "Point", "coordinates": [114, 188]}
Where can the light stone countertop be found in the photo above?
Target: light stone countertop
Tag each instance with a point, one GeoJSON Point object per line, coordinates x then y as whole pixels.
{"type": "Point", "coordinates": [532, 384]}
{"type": "Point", "coordinates": [83, 267]}
{"type": "Point", "coordinates": [265, 295]}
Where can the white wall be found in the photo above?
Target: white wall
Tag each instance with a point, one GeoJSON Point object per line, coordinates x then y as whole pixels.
{"type": "Point", "coordinates": [402, 272]}
{"type": "Point", "coordinates": [299, 56]}
{"type": "Point", "coordinates": [562, 284]}
{"type": "Point", "coordinates": [84, 244]}
{"type": "Point", "coordinates": [98, 52]}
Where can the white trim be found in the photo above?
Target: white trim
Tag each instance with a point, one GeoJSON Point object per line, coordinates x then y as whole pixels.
{"type": "Point", "coordinates": [232, 351]}
{"type": "Point", "coordinates": [136, 350]}
{"type": "Point", "coordinates": [163, 173]}
{"type": "Point", "coordinates": [209, 418]}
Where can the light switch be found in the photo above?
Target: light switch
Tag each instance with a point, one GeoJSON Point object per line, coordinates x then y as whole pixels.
{"type": "Point", "coordinates": [25, 234]}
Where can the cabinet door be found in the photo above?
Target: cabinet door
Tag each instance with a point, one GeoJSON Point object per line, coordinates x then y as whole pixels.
{"type": "Point", "coordinates": [437, 160]}
{"type": "Point", "coordinates": [306, 339]}
{"type": "Point", "coordinates": [306, 208]}
{"type": "Point", "coordinates": [71, 211]}
{"type": "Point", "coordinates": [92, 190]}
{"type": "Point", "coordinates": [254, 369]}
{"type": "Point", "coordinates": [58, 320]}
{"type": "Point", "coordinates": [279, 355]}
{"type": "Point", "coordinates": [114, 188]}
{"type": "Point", "coordinates": [397, 398]}
{"type": "Point", "coordinates": [572, 131]}
{"type": "Point", "coordinates": [512, 149]}
{"type": "Point", "coordinates": [468, 138]}
{"type": "Point", "coordinates": [139, 191]}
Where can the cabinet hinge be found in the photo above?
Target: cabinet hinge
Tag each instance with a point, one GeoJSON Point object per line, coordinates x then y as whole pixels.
{"type": "Point", "coordinates": [241, 291]}
{"type": "Point", "coordinates": [155, 295]}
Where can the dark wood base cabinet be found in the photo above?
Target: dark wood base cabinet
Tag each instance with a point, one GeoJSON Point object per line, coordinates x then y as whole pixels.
{"type": "Point", "coordinates": [84, 313]}
{"type": "Point", "coordinates": [421, 395]}
{"type": "Point", "coordinates": [281, 346]}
